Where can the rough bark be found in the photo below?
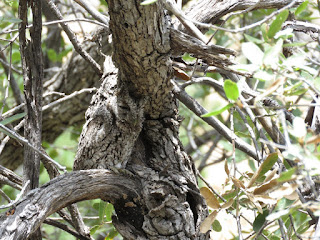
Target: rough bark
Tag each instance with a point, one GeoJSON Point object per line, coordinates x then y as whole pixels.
{"type": "Point", "coordinates": [38, 204]}
{"type": "Point", "coordinates": [210, 11]}
{"type": "Point", "coordinates": [75, 75]}
{"type": "Point", "coordinates": [133, 123]}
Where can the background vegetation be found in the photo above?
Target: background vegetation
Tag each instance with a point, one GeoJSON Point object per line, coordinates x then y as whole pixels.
{"type": "Point", "coordinates": [276, 199]}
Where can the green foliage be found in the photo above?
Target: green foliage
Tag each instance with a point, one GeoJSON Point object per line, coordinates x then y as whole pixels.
{"type": "Point", "coordinates": [231, 90]}
{"type": "Point", "coordinates": [277, 23]}
{"type": "Point", "coordinates": [260, 220]}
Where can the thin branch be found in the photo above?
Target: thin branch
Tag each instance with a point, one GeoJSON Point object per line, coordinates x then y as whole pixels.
{"type": "Point", "coordinates": [172, 6]}
{"type": "Point", "coordinates": [66, 228]}
{"type": "Point", "coordinates": [237, 30]}
{"type": "Point", "coordinates": [195, 107]}
{"type": "Point", "coordinates": [25, 142]}
{"type": "Point", "coordinates": [94, 13]}
{"type": "Point", "coordinates": [73, 39]}
{"type": "Point", "coordinates": [13, 203]}
{"type": "Point", "coordinates": [58, 22]}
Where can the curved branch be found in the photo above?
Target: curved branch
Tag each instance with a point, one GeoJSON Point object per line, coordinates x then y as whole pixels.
{"type": "Point", "coordinates": [209, 11]}
{"type": "Point", "coordinates": [69, 188]}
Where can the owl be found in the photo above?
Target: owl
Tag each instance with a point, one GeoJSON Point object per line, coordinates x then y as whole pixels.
{"type": "Point", "coordinates": [113, 123]}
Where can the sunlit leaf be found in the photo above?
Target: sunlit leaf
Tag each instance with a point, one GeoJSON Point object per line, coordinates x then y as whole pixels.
{"type": "Point", "coordinates": [238, 183]}
{"type": "Point", "coordinates": [271, 175]}
{"type": "Point", "coordinates": [264, 167]}
{"type": "Point", "coordinates": [252, 52]}
{"type": "Point", "coordinates": [263, 75]}
{"type": "Point", "coordinates": [287, 175]}
{"type": "Point", "coordinates": [271, 56]}
{"type": "Point", "coordinates": [207, 222]}
{"type": "Point", "coordinates": [227, 204]}
{"type": "Point", "coordinates": [147, 2]}
{"type": "Point", "coordinates": [217, 112]}
{"type": "Point", "coordinates": [284, 190]}
{"type": "Point", "coordinates": [210, 198]}
{"type": "Point", "coordinates": [299, 129]}
{"type": "Point", "coordinates": [301, 8]}
{"type": "Point", "coordinates": [284, 34]}
{"type": "Point", "coordinates": [277, 23]}
{"type": "Point", "coordinates": [231, 90]}
{"type": "Point", "coordinates": [265, 187]}
{"type": "Point", "coordinates": [278, 214]}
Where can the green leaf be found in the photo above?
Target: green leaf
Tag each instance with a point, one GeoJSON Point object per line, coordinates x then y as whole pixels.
{"type": "Point", "coordinates": [217, 112]}
{"type": "Point", "coordinates": [284, 203]}
{"type": "Point", "coordinates": [108, 211]}
{"type": "Point", "coordinates": [216, 226]}
{"type": "Point", "coordinates": [302, 7]}
{"type": "Point", "coordinates": [11, 20]}
{"type": "Point", "coordinates": [102, 206]}
{"type": "Point", "coordinates": [147, 2]}
{"type": "Point", "coordinates": [277, 23]}
{"type": "Point", "coordinates": [252, 52]}
{"type": "Point", "coordinates": [264, 30]}
{"type": "Point", "coordinates": [285, 176]}
{"type": "Point", "coordinates": [271, 55]}
{"type": "Point", "coordinates": [263, 168]}
{"type": "Point", "coordinates": [12, 118]}
{"type": "Point", "coordinates": [253, 39]}
{"type": "Point", "coordinates": [268, 163]}
{"type": "Point", "coordinates": [260, 220]}
{"type": "Point", "coordinates": [94, 229]}
{"type": "Point", "coordinates": [231, 90]}
{"type": "Point", "coordinates": [52, 55]}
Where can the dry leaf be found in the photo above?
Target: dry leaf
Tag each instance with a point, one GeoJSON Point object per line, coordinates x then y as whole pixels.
{"type": "Point", "coordinates": [238, 183]}
{"type": "Point", "coordinates": [265, 187]}
{"type": "Point", "coordinates": [227, 204]}
{"type": "Point", "coordinates": [181, 74]}
{"type": "Point", "coordinates": [271, 175]}
{"type": "Point", "coordinates": [283, 191]}
{"type": "Point", "coordinates": [226, 168]}
{"type": "Point", "coordinates": [210, 198]}
{"type": "Point", "coordinates": [206, 224]}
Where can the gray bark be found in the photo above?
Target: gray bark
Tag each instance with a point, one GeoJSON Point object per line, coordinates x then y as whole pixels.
{"type": "Point", "coordinates": [132, 126]}
{"type": "Point", "coordinates": [74, 75]}
{"type": "Point", "coordinates": [39, 203]}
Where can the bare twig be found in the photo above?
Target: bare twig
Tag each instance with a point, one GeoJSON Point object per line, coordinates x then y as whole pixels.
{"type": "Point", "coordinates": [22, 192]}
{"type": "Point", "coordinates": [195, 107]}
{"type": "Point", "coordinates": [73, 38]}
{"type": "Point", "coordinates": [172, 7]}
{"type": "Point", "coordinates": [24, 141]}
{"type": "Point", "coordinates": [94, 13]}
{"type": "Point", "coordinates": [66, 228]}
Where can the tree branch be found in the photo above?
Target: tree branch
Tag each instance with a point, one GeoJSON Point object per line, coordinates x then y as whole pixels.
{"type": "Point", "coordinates": [69, 188]}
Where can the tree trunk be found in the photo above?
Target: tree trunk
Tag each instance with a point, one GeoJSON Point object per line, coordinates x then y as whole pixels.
{"type": "Point", "coordinates": [133, 123]}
